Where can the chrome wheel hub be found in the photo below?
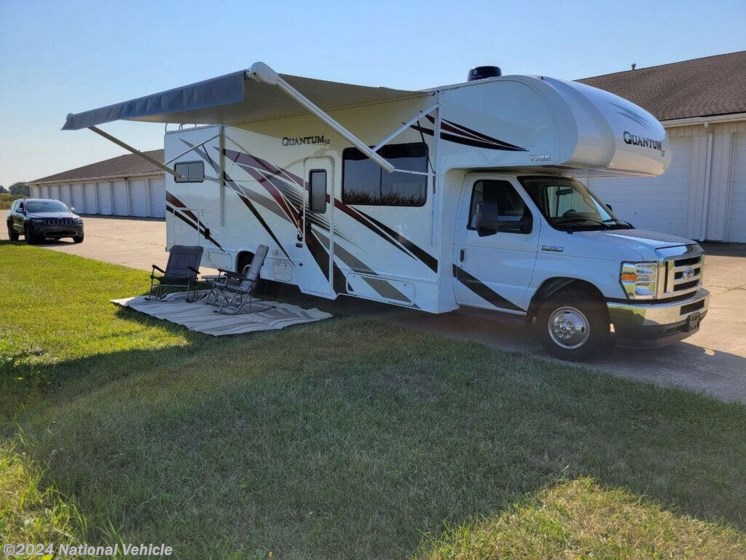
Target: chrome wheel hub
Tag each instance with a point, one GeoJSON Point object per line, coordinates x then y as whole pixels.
{"type": "Point", "coordinates": [568, 327]}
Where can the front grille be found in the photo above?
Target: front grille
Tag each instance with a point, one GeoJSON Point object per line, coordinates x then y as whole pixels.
{"type": "Point", "coordinates": [60, 222]}
{"type": "Point", "coordinates": [683, 275]}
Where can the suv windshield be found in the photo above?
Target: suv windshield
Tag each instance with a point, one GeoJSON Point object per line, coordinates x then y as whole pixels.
{"type": "Point", "coordinates": [39, 206]}
{"type": "Point", "coordinates": [568, 205]}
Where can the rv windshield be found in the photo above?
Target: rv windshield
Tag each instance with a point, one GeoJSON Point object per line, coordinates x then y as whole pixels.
{"type": "Point", "coordinates": [568, 205]}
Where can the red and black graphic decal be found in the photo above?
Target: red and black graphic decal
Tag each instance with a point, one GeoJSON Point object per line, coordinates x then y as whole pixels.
{"type": "Point", "coordinates": [180, 211]}
{"type": "Point", "coordinates": [280, 184]}
{"type": "Point", "coordinates": [286, 199]}
{"type": "Point", "coordinates": [482, 290]}
{"type": "Point", "coordinates": [454, 132]}
{"type": "Point", "coordinates": [245, 195]}
{"type": "Point", "coordinates": [396, 239]}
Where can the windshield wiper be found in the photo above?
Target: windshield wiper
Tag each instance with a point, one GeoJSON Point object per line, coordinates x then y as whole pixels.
{"type": "Point", "coordinates": [619, 224]}
{"type": "Point", "coordinates": [577, 219]}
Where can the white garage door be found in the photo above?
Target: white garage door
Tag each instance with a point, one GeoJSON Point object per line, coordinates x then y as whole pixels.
{"type": "Point", "coordinates": [157, 198]}
{"type": "Point", "coordinates": [78, 199]}
{"type": "Point", "coordinates": [65, 195]}
{"type": "Point", "coordinates": [139, 199]}
{"type": "Point", "coordinates": [89, 195]}
{"type": "Point", "coordinates": [104, 199]}
{"type": "Point", "coordinates": [121, 198]}
{"type": "Point", "coordinates": [658, 203]}
{"type": "Point", "coordinates": [737, 208]}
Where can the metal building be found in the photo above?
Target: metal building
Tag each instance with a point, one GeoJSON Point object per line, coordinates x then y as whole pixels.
{"type": "Point", "coordinates": [122, 186]}
{"type": "Point", "coordinates": [702, 105]}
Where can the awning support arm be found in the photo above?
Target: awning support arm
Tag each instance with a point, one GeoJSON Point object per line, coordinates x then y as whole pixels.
{"type": "Point", "coordinates": [191, 149]}
{"type": "Point", "coordinates": [130, 149]}
{"type": "Point", "coordinates": [264, 74]}
{"type": "Point", "coordinates": [405, 126]}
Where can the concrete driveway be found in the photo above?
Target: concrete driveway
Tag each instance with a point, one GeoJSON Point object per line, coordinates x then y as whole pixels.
{"type": "Point", "coordinates": [713, 361]}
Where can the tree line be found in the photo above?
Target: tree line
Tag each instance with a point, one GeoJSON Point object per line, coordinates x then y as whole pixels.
{"type": "Point", "coordinates": [16, 188]}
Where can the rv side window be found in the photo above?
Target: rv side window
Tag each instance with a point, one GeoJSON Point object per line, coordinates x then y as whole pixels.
{"type": "Point", "coordinates": [190, 172]}
{"type": "Point", "coordinates": [317, 184]}
{"type": "Point", "coordinates": [509, 203]}
{"type": "Point", "coordinates": [364, 182]}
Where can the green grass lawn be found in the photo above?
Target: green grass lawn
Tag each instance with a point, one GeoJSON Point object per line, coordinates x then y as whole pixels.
{"type": "Point", "coordinates": [348, 438]}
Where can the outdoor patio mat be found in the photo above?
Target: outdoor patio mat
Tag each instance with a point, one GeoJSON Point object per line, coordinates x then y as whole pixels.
{"type": "Point", "coordinates": [199, 317]}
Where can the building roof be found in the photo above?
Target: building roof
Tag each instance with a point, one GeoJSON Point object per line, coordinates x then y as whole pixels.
{"type": "Point", "coordinates": [128, 165]}
{"type": "Point", "coordinates": [703, 87]}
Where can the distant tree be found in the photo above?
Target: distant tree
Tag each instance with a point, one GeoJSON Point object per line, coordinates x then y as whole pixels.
{"type": "Point", "coordinates": [20, 188]}
{"type": "Point", "coordinates": [3, 190]}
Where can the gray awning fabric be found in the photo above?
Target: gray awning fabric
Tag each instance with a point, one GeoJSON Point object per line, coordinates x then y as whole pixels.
{"type": "Point", "coordinates": [235, 98]}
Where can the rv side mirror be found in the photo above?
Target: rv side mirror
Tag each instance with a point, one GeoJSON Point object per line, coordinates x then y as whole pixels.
{"type": "Point", "coordinates": [487, 218]}
{"type": "Point", "coordinates": [489, 222]}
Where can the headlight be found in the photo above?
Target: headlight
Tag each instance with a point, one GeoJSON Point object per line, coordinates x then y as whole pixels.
{"type": "Point", "coordinates": [639, 280]}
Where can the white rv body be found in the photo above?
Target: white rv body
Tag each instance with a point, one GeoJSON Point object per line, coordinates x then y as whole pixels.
{"type": "Point", "coordinates": [336, 223]}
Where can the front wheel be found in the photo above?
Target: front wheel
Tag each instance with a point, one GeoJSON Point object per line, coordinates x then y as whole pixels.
{"type": "Point", "coordinates": [573, 325]}
{"type": "Point", "coordinates": [12, 234]}
{"type": "Point", "coordinates": [78, 238]}
{"type": "Point", "coordinates": [31, 239]}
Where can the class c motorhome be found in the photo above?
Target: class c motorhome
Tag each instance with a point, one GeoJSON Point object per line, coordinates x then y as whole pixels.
{"type": "Point", "coordinates": [458, 196]}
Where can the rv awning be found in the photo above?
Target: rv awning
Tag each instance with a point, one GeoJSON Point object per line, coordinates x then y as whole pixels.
{"type": "Point", "coordinates": [235, 98]}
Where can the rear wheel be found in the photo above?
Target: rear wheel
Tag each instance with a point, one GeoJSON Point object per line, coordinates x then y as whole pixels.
{"type": "Point", "coordinates": [265, 288]}
{"type": "Point", "coordinates": [573, 325]}
{"type": "Point", "coordinates": [243, 261]}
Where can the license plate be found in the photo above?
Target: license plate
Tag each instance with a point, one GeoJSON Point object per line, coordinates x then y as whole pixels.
{"type": "Point", "coordinates": [692, 322]}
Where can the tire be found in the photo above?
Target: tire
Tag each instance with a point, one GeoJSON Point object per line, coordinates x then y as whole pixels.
{"type": "Point", "coordinates": [31, 239]}
{"type": "Point", "coordinates": [573, 325]}
{"type": "Point", "coordinates": [78, 238]}
{"type": "Point", "coordinates": [12, 234]}
{"type": "Point", "coordinates": [243, 262]}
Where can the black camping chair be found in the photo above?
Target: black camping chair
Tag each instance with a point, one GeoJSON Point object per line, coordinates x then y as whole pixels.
{"type": "Point", "coordinates": [181, 271]}
{"type": "Point", "coordinates": [233, 291]}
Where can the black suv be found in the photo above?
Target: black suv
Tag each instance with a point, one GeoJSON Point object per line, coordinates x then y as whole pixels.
{"type": "Point", "coordinates": [39, 218]}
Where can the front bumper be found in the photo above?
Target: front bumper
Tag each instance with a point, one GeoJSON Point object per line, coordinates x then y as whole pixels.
{"type": "Point", "coordinates": [657, 323]}
{"type": "Point", "coordinates": [56, 231]}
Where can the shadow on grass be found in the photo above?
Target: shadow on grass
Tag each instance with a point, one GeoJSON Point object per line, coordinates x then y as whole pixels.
{"type": "Point", "coordinates": [352, 438]}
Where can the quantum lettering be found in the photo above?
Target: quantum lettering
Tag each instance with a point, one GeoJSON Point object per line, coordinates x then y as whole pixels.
{"type": "Point", "coordinates": [643, 142]}
{"type": "Point", "coordinates": [303, 140]}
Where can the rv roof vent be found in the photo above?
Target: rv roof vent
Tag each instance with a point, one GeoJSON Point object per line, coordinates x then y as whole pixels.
{"type": "Point", "coordinates": [482, 72]}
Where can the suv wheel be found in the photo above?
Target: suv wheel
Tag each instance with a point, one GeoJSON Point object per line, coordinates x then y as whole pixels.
{"type": "Point", "coordinates": [31, 239]}
{"type": "Point", "coordinates": [78, 238]}
{"type": "Point", "coordinates": [12, 234]}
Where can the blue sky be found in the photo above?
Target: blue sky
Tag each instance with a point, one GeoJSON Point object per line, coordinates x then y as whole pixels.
{"type": "Point", "coordinates": [58, 57]}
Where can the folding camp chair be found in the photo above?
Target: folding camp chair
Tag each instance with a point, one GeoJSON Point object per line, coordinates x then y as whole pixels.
{"type": "Point", "coordinates": [181, 271]}
{"type": "Point", "coordinates": [232, 291]}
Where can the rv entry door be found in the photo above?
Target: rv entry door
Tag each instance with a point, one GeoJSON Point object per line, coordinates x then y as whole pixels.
{"type": "Point", "coordinates": [316, 226]}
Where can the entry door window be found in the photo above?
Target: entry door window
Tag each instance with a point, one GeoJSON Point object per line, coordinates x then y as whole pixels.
{"type": "Point", "coordinates": [317, 186]}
